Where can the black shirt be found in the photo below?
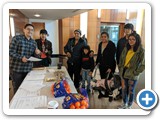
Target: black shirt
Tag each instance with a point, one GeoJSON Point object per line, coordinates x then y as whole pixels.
{"type": "Point", "coordinates": [107, 58]}
{"type": "Point", "coordinates": [120, 46]}
{"type": "Point", "coordinates": [87, 62]}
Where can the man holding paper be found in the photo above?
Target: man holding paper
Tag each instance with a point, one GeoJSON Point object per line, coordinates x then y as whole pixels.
{"type": "Point", "coordinates": [21, 48]}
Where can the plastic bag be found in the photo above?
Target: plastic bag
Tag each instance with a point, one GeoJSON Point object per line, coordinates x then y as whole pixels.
{"type": "Point", "coordinates": [76, 100]}
{"type": "Point", "coordinates": [60, 88]}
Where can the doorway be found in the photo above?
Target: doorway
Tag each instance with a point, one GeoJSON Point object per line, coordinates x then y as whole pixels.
{"type": "Point", "coordinates": [37, 27]}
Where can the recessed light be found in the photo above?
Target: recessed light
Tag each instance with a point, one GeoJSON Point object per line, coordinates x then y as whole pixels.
{"type": "Point", "coordinates": [37, 15]}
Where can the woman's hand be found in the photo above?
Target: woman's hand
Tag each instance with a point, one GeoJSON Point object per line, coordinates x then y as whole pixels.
{"type": "Point", "coordinates": [108, 71]}
{"type": "Point", "coordinates": [68, 54]}
{"type": "Point", "coordinates": [90, 74]}
{"type": "Point", "coordinates": [123, 83]}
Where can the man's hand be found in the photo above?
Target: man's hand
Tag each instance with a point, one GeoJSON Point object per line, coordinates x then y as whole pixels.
{"type": "Point", "coordinates": [68, 54]}
{"type": "Point", "coordinates": [37, 51]}
{"type": "Point", "coordinates": [24, 59]}
{"type": "Point", "coordinates": [46, 51]}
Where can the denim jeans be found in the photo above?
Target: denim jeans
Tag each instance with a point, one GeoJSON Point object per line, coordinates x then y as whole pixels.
{"type": "Point", "coordinates": [129, 91]}
{"type": "Point", "coordinates": [85, 76]}
{"type": "Point", "coordinates": [17, 79]}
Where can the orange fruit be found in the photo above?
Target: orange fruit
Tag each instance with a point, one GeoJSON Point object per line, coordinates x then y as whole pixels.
{"type": "Point", "coordinates": [77, 104]}
{"type": "Point", "coordinates": [83, 102]}
{"type": "Point", "coordinates": [52, 89]}
{"type": "Point", "coordinates": [87, 105]}
{"type": "Point", "coordinates": [72, 106]}
{"type": "Point", "coordinates": [68, 89]}
{"type": "Point", "coordinates": [83, 107]}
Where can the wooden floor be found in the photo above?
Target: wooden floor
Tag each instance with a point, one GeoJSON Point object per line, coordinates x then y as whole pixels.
{"type": "Point", "coordinates": [104, 103]}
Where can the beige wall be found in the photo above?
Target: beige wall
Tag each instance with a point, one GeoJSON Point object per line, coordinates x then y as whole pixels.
{"type": "Point", "coordinates": [68, 26]}
{"type": "Point", "coordinates": [19, 20]}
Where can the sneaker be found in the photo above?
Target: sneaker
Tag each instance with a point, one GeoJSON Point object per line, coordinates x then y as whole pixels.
{"type": "Point", "coordinates": [124, 106]}
{"type": "Point", "coordinates": [100, 96]}
{"type": "Point", "coordinates": [129, 107]}
{"type": "Point", "coordinates": [110, 99]}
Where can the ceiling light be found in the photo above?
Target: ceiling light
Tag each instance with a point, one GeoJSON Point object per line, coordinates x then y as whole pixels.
{"type": "Point", "coordinates": [37, 15]}
{"type": "Point", "coordinates": [99, 13]}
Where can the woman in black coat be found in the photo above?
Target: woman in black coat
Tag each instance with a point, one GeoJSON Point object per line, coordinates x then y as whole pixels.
{"type": "Point", "coordinates": [106, 56]}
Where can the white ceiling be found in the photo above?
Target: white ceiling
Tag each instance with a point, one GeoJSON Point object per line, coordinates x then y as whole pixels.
{"type": "Point", "coordinates": [51, 14]}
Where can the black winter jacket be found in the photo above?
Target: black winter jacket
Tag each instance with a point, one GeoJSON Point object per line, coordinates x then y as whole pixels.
{"type": "Point", "coordinates": [107, 58]}
{"type": "Point", "coordinates": [48, 46]}
{"type": "Point", "coordinates": [74, 50]}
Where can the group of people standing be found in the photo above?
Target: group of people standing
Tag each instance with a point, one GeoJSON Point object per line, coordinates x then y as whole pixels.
{"type": "Point", "coordinates": [129, 58]}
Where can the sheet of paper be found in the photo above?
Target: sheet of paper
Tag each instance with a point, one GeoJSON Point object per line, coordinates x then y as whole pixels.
{"type": "Point", "coordinates": [35, 77]}
{"type": "Point", "coordinates": [34, 59]}
{"type": "Point", "coordinates": [32, 85]}
{"type": "Point", "coordinates": [23, 93]}
{"type": "Point", "coordinates": [29, 102]}
{"type": "Point", "coordinates": [37, 72]}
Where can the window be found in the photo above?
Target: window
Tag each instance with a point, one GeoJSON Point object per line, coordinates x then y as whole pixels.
{"type": "Point", "coordinates": [112, 30]}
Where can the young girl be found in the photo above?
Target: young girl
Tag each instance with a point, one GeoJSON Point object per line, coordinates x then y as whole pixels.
{"type": "Point", "coordinates": [130, 66]}
{"type": "Point", "coordinates": [87, 67]}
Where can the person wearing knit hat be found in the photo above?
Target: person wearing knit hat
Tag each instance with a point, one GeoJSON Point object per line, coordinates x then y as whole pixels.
{"type": "Point", "coordinates": [78, 30]}
{"type": "Point", "coordinates": [43, 31]}
{"type": "Point", "coordinates": [73, 50]}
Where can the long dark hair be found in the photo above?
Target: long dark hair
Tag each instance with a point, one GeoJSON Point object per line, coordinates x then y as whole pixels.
{"type": "Point", "coordinates": [105, 33]}
{"type": "Point", "coordinates": [138, 41]}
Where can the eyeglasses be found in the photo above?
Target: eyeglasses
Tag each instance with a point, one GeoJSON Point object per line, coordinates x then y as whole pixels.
{"type": "Point", "coordinates": [132, 39]}
{"type": "Point", "coordinates": [29, 29]}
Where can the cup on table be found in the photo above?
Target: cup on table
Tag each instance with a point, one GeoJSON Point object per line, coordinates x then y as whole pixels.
{"type": "Point", "coordinates": [53, 104]}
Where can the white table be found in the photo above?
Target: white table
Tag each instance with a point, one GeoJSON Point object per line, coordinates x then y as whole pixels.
{"type": "Point", "coordinates": [31, 78]}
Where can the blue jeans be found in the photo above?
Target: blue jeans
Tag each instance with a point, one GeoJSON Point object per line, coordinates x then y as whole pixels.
{"type": "Point", "coordinates": [85, 76]}
{"type": "Point", "coordinates": [129, 91]}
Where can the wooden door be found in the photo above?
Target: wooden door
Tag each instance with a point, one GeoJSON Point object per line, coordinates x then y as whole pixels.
{"type": "Point", "coordinates": [121, 30]}
{"type": "Point", "coordinates": [37, 27]}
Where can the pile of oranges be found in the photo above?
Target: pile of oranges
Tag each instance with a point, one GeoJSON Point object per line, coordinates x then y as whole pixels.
{"type": "Point", "coordinates": [83, 104]}
{"type": "Point", "coordinates": [52, 89]}
{"type": "Point", "coordinates": [66, 86]}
